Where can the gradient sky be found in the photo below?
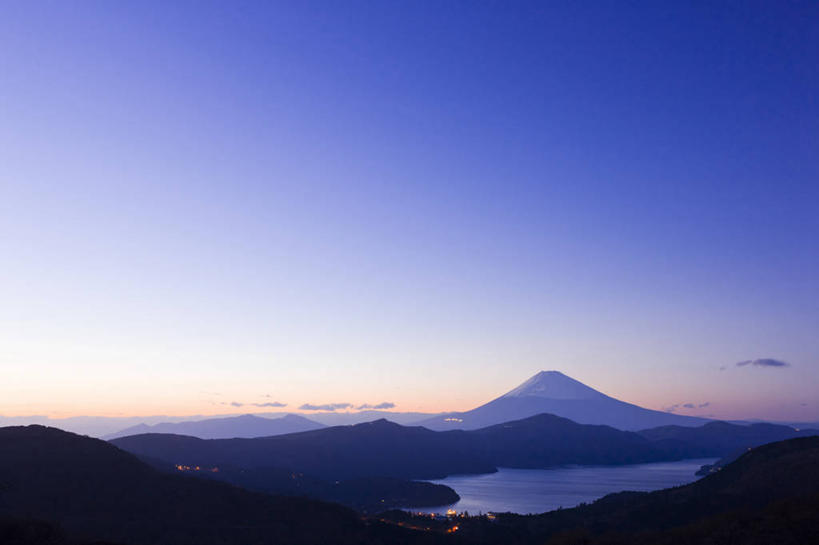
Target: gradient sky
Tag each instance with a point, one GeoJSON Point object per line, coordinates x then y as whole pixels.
{"type": "Point", "coordinates": [416, 202]}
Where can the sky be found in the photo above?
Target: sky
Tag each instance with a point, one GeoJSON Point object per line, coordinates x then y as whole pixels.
{"type": "Point", "coordinates": [415, 203]}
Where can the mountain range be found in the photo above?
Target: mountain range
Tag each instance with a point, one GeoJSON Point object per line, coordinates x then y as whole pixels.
{"type": "Point", "coordinates": [384, 449]}
{"type": "Point", "coordinates": [549, 392]}
{"type": "Point", "coordinates": [244, 426]}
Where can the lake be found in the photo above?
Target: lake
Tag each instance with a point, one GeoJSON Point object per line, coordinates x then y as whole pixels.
{"type": "Point", "coordinates": [539, 490]}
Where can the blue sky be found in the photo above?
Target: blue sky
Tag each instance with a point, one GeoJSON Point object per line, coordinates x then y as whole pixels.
{"type": "Point", "coordinates": [423, 203]}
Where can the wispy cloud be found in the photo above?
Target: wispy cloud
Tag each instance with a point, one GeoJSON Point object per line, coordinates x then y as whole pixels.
{"type": "Point", "coordinates": [325, 407]}
{"type": "Point", "coordinates": [265, 404]}
{"type": "Point", "coordinates": [270, 404]}
{"type": "Point", "coordinates": [342, 406]}
{"type": "Point", "coordinates": [384, 405]}
{"type": "Point", "coordinates": [678, 406]}
{"type": "Point", "coordinates": [764, 362]}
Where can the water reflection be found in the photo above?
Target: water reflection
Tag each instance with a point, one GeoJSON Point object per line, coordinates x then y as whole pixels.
{"type": "Point", "coordinates": [540, 490]}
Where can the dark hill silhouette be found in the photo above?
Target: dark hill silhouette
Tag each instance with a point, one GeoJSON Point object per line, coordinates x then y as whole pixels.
{"type": "Point", "coordinates": [94, 491]}
{"type": "Point", "coordinates": [365, 494]}
{"type": "Point", "coordinates": [14, 531]}
{"type": "Point", "coordinates": [719, 438]}
{"type": "Point", "coordinates": [553, 392]}
{"type": "Point", "coordinates": [546, 440]}
{"type": "Point", "coordinates": [244, 426]}
{"type": "Point", "coordinates": [374, 449]}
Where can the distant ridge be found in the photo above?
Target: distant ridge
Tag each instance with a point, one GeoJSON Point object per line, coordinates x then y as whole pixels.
{"type": "Point", "coordinates": [245, 427]}
{"type": "Point", "coordinates": [555, 393]}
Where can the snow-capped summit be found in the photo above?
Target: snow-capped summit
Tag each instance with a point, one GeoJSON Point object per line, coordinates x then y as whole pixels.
{"type": "Point", "coordinates": [554, 385]}
{"type": "Point", "coordinates": [552, 392]}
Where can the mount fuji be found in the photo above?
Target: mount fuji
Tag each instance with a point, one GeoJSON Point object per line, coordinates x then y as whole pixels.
{"type": "Point", "coordinates": [555, 393]}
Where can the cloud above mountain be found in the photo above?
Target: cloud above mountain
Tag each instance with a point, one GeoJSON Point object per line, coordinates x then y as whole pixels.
{"type": "Point", "coordinates": [325, 407]}
{"type": "Point", "coordinates": [678, 406]}
{"type": "Point", "coordinates": [763, 362]}
{"type": "Point", "coordinates": [342, 406]}
{"type": "Point", "coordinates": [380, 406]}
{"type": "Point", "coordinates": [266, 404]}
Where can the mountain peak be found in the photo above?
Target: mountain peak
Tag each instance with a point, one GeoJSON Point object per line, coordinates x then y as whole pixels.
{"type": "Point", "coordinates": [554, 385]}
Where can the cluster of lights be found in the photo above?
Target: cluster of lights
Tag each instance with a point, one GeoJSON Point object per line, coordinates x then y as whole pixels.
{"type": "Point", "coordinates": [450, 513]}
{"type": "Point", "coordinates": [181, 467]}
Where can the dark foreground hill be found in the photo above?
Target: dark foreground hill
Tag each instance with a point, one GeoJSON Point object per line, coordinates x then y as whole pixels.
{"type": "Point", "coordinates": [92, 490]}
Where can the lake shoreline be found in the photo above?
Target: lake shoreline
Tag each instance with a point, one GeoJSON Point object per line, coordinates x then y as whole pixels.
{"type": "Point", "coordinates": [526, 491]}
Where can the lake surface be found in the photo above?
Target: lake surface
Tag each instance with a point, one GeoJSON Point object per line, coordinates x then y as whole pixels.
{"type": "Point", "coordinates": [539, 490]}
